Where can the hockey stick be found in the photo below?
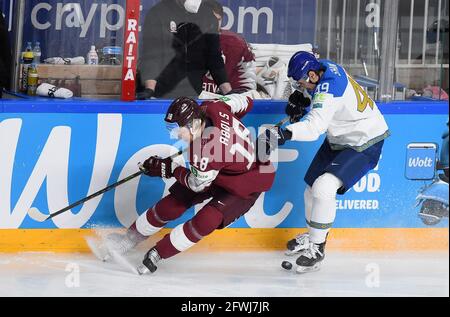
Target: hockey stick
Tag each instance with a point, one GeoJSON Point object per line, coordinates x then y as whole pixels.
{"type": "Point", "coordinates": [37, 215]}
{"type": "Point", "coordinates": [277, 125]}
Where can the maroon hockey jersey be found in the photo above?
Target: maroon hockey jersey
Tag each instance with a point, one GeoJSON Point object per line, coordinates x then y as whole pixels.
{"type": "Point", "coordinates": [237, 55]}
{"type": "Point", "coordinates": [225, 155]}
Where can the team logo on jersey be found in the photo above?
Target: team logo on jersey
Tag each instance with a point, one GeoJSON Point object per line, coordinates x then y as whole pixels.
{"type": "Point", "coordinates": [319, 99]}
{"type": "Point", "coordinates": [173, 27]}
{"type": "Point", "coordinates": [224, 99]}
{"type": "Point", "coordinates": [203, 176]}
{"type": "Point", "coordinates": [317, 106]}
{"type": "Point", "coordinates": [194, 171]}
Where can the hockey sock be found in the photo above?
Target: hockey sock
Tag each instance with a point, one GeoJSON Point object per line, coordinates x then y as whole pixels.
{"type": "Point", "coordinates": [308, 197]}
{"type": "Point", "coordinates": [150, 222]}
{"type": "Point", "coordinates": [323, 210]}
{"type": "Point", "coordinates": [188, 234]}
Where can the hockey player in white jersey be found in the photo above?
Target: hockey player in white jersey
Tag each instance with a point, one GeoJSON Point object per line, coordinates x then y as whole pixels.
{"type": "Point", "coordinates": [355, 132]}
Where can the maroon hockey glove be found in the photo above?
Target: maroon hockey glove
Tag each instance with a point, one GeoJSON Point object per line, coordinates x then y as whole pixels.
{"type": "Point", "coordinates": [157, 166]}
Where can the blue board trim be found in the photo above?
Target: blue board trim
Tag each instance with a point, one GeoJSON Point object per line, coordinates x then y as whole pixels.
{"type": "Point", "coordinates": [80, 105]}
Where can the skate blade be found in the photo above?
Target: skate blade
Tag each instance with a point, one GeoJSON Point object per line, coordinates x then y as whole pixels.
{"type": "Point", "coordinates": [308, 269]}
{"type": "Point", "coordinates": [99, 251]}
{"type": "Point", "coordinates": [142, 270]}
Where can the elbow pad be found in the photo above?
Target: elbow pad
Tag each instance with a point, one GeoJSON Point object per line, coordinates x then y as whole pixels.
{"type": "Point", "coordinates": [201, 182]}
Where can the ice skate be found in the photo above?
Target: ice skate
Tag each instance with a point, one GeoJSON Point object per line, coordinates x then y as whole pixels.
{"type": "Point", "coordinates": [298, 244]}
{"type": "Point", "coordinates": [310, 260]}
{"type": "Point", "coordinates": [149, 263]}
{"type": "Point", "coordinates": [114, 248]}
{"type": "Point", "coordinates": [120, 244]}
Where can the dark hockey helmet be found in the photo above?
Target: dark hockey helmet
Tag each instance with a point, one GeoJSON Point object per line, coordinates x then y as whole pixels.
{"type": "Point", "coordinates": [181, 113]}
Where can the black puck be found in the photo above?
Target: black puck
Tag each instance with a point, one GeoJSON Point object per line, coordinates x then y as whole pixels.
{"type": "Point", "coordinates": [286, 265]}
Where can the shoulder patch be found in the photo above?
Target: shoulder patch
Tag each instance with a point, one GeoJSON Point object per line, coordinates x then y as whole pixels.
{"type": "Point", "coordinates": [225, 99]}
{"type": "Point", "coordinates": [194, 171]}
{"type": "Point", "coordinates": [203, 176]}
{"type": "Point", "coordinates": [320, 99]}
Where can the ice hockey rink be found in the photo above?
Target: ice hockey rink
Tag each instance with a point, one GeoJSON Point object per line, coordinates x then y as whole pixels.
{"type": "Point", "coordinates": [217, 274]}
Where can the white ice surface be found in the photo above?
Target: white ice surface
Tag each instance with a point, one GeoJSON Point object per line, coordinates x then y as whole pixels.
{"type": "Point", "coordinates": [227, 274]}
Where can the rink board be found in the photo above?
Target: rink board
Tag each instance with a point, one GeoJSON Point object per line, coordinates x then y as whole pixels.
{"type": "Point", "coordinates": [240, 239]}
{"type": "Point", "coordinates": [57, 152]}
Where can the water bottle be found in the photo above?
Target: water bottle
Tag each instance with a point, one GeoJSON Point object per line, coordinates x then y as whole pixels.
{"type": "Point", "coordinates": [28, 49]}
{"type": "Point", "coordinates": [33, 79]}
{"type": "Point", "coordinates": [92, 57]}
{"type": "Point", "coordinates": [37, 53]}
{"type": "Point", "coordinates": [26, 63]}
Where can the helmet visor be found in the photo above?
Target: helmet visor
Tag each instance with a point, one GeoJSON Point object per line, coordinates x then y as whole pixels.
{"type": "Point", "coordinates": [295, 84]}
{"type": "Point", "coordinates": [174, 129]}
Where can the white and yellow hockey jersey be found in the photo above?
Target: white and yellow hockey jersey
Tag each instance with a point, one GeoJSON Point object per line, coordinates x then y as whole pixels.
{"type": "Point", "coordinates": [342, 109]}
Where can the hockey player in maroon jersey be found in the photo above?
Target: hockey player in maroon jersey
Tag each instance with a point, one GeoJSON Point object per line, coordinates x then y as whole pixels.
{"type": "Point", "coordinates": [223, 166]}
{"type": "Point", "coordinates": [238, 57]}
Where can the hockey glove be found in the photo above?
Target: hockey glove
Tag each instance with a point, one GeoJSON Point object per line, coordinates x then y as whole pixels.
{"type": "Point", "coordinates": [145, 95]}
{"type": "Point", "coordinates": [296, 107]}
{"type": "Point", "coordinates": [277, 136]}
{"type": "Point", "coordinates": [157, 166]}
